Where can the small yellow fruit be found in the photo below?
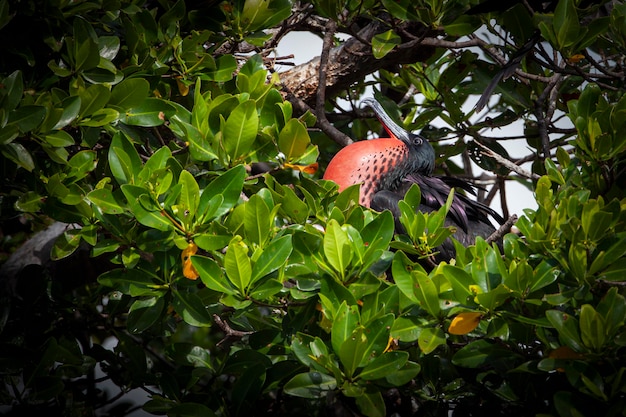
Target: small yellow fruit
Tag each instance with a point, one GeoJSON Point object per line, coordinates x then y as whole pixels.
{"type": "Point", "coordinates": [464, 323]}
{"type": "Point", "coordinates": [188, 269]}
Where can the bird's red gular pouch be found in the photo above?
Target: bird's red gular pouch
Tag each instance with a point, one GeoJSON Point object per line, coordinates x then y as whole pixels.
{"type": "Point", "coordinates": [366, 163]}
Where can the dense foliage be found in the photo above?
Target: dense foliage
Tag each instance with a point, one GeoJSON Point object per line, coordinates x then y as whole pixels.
{"type": "Point", "coordinates": [227, 291]}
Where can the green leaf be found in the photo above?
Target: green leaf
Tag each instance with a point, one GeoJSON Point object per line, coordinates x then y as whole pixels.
{"type": "Point", "coordinates": [237, 265]}
{"type": "Point", "coordinates": [103, 198]}
{"type": "Point", "coordinates": [371, 403]}
{"type": "Point", "coordinates": [383, 43]}
{"type": "Point", "coordinates": [188, 199]}
{"type": "Point", "coordinates": [592, 328]}
{"type": "Point", "coordinates": [92, 99]}
{"type": "Point", "coordinates": [482, 352]}
{"type": "Point", "coordinates": [337, 248]}
{"type": "Point", "coordinates": [426, 293]}
{"type": "Point", "coordinates": [272, 258]}
{"type": "Point", "coordinates": [404, 375]}
{"type": "Point", "coordinates": [133, 282]}
{"type": "Point", "coordinates": [151, 112]}
{"type": "Point", "coordinates": [353, 351]}
{"type": "Point", "coordinates": [257, 221]}
{"type": "Point", "coordinates": [82, 163]}
{"type": "Point", "coordinates": [405, 329]}
{"type": "Point", "coordinates": [211, 274]}
{"type": "Point", "coordinates": [240, 130]}
{"type": "Point", "coordinates": [384, 365]}
{"type": "Point", "coordinates": [11, 91]}
{"type": "Point", "coordinates": [293, 140]}
{"type": "Point", "coordinates": [565, 23]}
{"type": "Point", "coordinates": [129, 93]}
{"type": "Point", "coordinates": [191, 308]}
{"type": "Point", "coordinates": [430, 339]}
{"type": "Point", "coordinates": [460, 281]}
{"type": "Point", "coordinates": [150, 218]}
{"type": "Point", "coordinates": [29, 202]}
{"type": "Point", "coordinates": [27, 118]}
{"type": "Point", "coordinates": [100, 117]}
{"type": "Point", "coordinates": [71, 108]}
{"type": "Point", "coordinates": [225, 67]}
{"type": "Point", "coordinates": [229, 185]}
{"type": "Point", "coordinates": [263, 14]}
{"type": "Point", "coordinates": [143, 313]}
{"type": "Point", "coordinates": [310, 385]}
{"type": "Point", "coordinates": [65, 244]}
{"type": "Point", "coordinates": [124, 160]}
{"type": "Point", "coordinates": [567, 326]}
{"type": "Point", "coordinates": [345, 322]}
{"type": "Point", "coordinates": [377, 332]}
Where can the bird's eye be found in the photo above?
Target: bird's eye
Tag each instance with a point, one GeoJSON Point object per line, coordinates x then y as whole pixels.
{"type": "Point", "coordinates": [417, 140]}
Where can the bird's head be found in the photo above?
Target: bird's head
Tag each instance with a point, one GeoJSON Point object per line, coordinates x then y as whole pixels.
{"type": "Point", "coordinates": [381, 164]}
{"type": "Point", "coordinates": [421, 157]}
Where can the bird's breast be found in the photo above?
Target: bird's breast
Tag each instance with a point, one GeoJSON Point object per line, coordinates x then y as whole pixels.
{"type": "Point", "coordinates": [365, 162]}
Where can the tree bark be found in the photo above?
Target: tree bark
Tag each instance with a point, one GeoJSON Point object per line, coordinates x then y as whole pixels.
{"type": "Point", "coordinates": [353, 60]}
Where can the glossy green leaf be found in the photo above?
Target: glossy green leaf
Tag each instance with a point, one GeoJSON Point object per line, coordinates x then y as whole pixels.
{"type": "Point", "coordinates": [430, 339]}
{"type": "Point", "coordinates": [237, 265]}
{"type": "Point", "coordinates": [273, 257]}
{"type": "Point", "coordinates": [13, 88]}
{"type": "Point", "coordinates": [103, 198]}
{"type": "Point", "coordinates": [481, 352]}
{"type": "Point", "coordinates": [353, 351]}
{"type": "Point", "coordinates": [263, 14]}
{"type": "Point", "coordinates": [426, 293]}
{"type": "Point", "coordinates": [566, 24]}
{"type": "Point", "coordinates": [257, 220]}
{"type": "Point", "coordinates": [27, 118]}
{"type": "Point", "coordinates": [293, 140]}
{"type": "Point", "coordinates": [129, 281]}
{"type": "Point", "coordinates": [92, 99]}
{"type": "Point", "coordinates": [404, 375]}
{"type": "Point", "coordinates": [148, 217]}
{"type": "Point", "coordinates": [384, 365]}
{"type": "Point", "coordinates": [568, 329]}
{"type": "Point", "coordinates": [211, 274]}
{"type": "Point", "coordinates": [310, 385]}
{"type": "Point", "coordinates": [383, 43]}
{"type": "Point", "coordinates": [144, 313]}
{"type": "Point", "coordinates": [345, 322]}
{"type": "Point", "coordinates": [592, 328]}
{"type": "Point", "coordinates": [377, 332]}
{"type": "Point", "coordinates": [337, 248]}
{"type": "Point", "coordinates": [189, 197]}
{"type": "Point", "coordinates": [65, 244]}
{"type": "Point", "coordinates": [240, 130]}
{"type": "Point", "coordinates": [191, 308]}
{"type": "Point", "coordinates": [129, 93]}
{"type": "Point", "coordinates": [124, 160]}
{"type": "Point", "coordinates": [371, 403]}
{"type": "Point", "coordinates": [405, 329]}
{"type": "Point", "coordinates": [229, 185]}
{"type": "Point", "coordinates": [151, 112]}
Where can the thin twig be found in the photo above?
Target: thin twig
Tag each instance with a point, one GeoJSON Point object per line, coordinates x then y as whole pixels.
{"type": "Point", "coordinates": [507, 164]}
{"type": "Point", "coordinates": [229, 332]}
{"type": "Point", "coordinates": [502, 230]}
{"type": "Point", "coordinates": [320, 100]}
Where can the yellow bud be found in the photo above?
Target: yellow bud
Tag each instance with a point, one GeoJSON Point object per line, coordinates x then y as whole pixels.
{"type": "Point", "coordinates": [464, 323]}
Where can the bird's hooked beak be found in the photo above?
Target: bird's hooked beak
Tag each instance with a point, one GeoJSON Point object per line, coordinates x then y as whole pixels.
{"type": "Point", "coordinates": [391, 126]}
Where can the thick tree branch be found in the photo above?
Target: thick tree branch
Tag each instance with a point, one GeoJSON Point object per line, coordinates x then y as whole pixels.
{"type": "Point", "coordinates": [322, 121]}
{"type": "Point", "coordinates": [351, 62]}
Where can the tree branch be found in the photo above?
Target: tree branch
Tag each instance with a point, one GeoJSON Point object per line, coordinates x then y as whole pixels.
{"type": "Point", "coordinates": [320, 101]}
{"type": "Point", "coordinates": [351, 62]}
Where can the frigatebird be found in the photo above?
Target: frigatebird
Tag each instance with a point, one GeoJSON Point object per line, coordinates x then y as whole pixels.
{"type": "Point", "coordinates": [387, 167]}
